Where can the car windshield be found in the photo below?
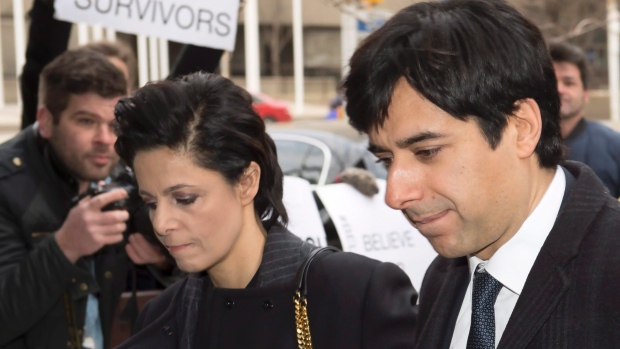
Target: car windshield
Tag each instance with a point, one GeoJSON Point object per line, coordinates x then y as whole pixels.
{"type": "Point", "coordinates": [320, 156]}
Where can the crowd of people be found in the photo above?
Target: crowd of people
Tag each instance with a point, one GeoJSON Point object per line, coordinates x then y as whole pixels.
{"type": "Point", "coordinates": [479, 122]}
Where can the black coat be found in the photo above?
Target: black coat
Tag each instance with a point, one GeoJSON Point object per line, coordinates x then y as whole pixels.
{"type": "Point", "coordinates": [35, 275]}
{"type": "Point", "coordinates": [570, 298]}
{"type": "Point", "coordinates": [353, 302]}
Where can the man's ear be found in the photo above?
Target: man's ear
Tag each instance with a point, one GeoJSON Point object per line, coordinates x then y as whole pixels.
{"type": "Point", "coordinates": [528, 124]}
{"type": "Point", "coordinates": [46, 121]}
{"type": "Point", "coordinates": [249, 183]}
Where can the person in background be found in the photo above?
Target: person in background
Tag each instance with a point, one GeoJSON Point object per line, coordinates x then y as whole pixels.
{"type": "Point", "coordinates": [209, 174]}
{"type": "Point", "coordinates": [63, 264]}
{"type": "Point", "coordinates": [460, 102]}
{"type": "Point", "coordinates": [49, 37]}
{"type": "Point", "coordinates": [589, 142]}
{"type": "Point", "coordinates": [119, 54]}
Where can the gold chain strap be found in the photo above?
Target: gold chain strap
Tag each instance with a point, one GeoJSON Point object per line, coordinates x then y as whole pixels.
{"type": "Point", "coordinates": [304, 340]}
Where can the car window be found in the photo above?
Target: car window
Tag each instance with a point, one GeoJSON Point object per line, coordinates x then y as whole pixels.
{"type": "Point", "coordinates": [300, 159]}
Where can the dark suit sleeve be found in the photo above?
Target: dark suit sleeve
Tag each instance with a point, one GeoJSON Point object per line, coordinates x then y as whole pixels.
{"type": "Point", "coordinates": [31, 282]}
{"type": "Point", "coordinates": [388, 318]}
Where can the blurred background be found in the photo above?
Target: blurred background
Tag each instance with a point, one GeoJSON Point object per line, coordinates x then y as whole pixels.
{"type": "Point", "coordinates": [301, 90]}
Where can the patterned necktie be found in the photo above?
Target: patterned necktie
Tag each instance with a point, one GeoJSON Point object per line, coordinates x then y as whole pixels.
{"type": "Point", "coordinates": [482, 330]}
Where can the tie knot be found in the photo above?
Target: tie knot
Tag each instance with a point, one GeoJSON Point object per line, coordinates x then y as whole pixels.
{"type": "Point", "coordinates": [486, 284]}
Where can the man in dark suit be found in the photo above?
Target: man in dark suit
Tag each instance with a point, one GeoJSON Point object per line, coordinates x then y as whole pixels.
{"type": "Point", "coordinates": [460, 102]}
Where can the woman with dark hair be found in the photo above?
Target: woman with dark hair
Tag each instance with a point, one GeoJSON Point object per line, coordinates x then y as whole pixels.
{"type": "Point", "coordinates": [208, 172]}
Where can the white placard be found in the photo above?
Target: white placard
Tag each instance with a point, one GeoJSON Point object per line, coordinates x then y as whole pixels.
{"type": "Point", "coordinates": [210, 23]}
{"type": "Point", "coordinates": [303, 215]}
{"type": "Point", "coordinates": [369, 227]}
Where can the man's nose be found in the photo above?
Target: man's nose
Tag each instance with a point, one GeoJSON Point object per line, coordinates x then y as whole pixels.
{"type": "Point", "coordinates": [405, 186]}
{"type": "Point", "coordinates": [561, 88]}
{"type": "Point", "coordinates": [105, 135]}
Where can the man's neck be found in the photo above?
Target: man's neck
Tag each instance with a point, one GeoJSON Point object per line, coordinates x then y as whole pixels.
{"type": "Point", "coordinates": [539, 182]}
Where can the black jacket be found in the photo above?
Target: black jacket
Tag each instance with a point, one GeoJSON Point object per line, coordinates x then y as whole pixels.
{"type": "Point", "coordinates": [570, 298]}
{"type": "Point", "coordinates": [42, 295]}
{"type": "Point", "coordinates": [353, 302]}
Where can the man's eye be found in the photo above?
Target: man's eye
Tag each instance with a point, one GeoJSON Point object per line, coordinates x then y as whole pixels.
{"type": "Point", "coordinates": [86, 122]}
{"type": "Point", "coordinates": [427, 154]}
{"type": "Point", "coordinates": [385, 161]}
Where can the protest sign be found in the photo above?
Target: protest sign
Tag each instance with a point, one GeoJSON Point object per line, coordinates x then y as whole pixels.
{"type": "Point", "coordinates": [207, 23]}
{"type": "Point", "coordinates": [369, 227]}
{"type": "Point", "coordinates": [303, 214]}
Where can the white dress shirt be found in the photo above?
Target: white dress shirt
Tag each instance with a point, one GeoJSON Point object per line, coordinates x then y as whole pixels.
{"type": "Point", "coordinates": [512, 262]}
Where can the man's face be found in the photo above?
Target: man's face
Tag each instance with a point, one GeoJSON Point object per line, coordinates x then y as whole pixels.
{"type": "Point", "coordinates": [570, 87]}
{"type": "Point", "coordinates": [444, 176]}
{"type": "Point", "coordinates": [84, 137]}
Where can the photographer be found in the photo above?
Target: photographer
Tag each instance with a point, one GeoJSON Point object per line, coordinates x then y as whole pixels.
{"type": "Point", "coordinates": [63, 266]}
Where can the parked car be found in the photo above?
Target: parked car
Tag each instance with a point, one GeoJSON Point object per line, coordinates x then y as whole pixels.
{"type": "Point", "coordinates": [270, 109]}
{"type": "Point", "coordinates": [319, 156]}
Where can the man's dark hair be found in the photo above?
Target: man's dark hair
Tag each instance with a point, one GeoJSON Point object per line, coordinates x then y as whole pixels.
{"type": "Point", "coordinates": [471, 58]}
{"type": "Point", "coordinates": [77, 72]}
{"type": "Point", "coordinates": [563, 52]}
{"type": "Point", "coordinates": [212, 120]}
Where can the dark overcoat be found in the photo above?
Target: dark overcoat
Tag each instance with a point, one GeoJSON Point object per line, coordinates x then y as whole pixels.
{"type": "Point", "coordinates": [353, 302]}
{"type": "Point", "coordinates": [570, 298]}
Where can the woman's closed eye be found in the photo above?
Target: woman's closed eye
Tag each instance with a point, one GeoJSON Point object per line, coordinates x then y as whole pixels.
{"type": "Point", "coordinates": [185, 201]}
{"type": "Point", "coordinates": [152, 205]}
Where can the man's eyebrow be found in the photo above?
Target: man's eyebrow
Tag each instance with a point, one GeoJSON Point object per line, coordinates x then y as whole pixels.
{"type": "Point", "coordinates": [420, 137]}
{"type": "Point", "coordinates": [84, 113]}
{"type": "Point", "coordinates": [376, 149]}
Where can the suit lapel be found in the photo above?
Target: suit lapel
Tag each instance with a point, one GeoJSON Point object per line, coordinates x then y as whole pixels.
{"type": "Point", "coordinates": [550, 277]}
{"type": "Point", "coordinates": [437, 333]}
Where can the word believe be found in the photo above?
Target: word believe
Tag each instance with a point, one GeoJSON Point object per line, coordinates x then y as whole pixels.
{"type": "Point", "coordinates": [388, 241]}
{"type": "Point", "coordinates": [162, 13]}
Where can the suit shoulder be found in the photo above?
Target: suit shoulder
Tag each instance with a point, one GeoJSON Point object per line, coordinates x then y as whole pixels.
{"type": "Point", "coordinates": [353, 269]}
{"type": "Point", "coordinates": [160, 304]}
{"type": "Point", "coordinates": [347, 261]}
{"type": "Point", "coordinates": [442, 263]}
{"type": "Point", "coordinates": [13, 157]}
{"type": "Point", "coordinates": [435, 274]}
{"type": "Point", "coordinates": [608, 222]}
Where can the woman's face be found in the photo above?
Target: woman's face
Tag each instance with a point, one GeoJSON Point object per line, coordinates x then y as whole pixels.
{"type": "Point", "coordinates": [196, 214]}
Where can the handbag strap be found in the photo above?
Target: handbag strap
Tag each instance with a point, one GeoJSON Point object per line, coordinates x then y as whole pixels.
{"type": "Point", "coordinates": [301, 283]}
{"type": "Point", "coordinates": [302, 322]}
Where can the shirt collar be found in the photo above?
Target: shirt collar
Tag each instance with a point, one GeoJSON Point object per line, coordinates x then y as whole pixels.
{"type": "Point", "coordinates": [527, 242]}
